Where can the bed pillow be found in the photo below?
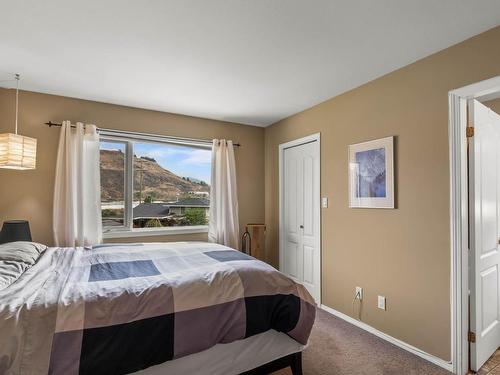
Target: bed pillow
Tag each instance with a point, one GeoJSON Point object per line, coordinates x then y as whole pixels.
{"type": "Point", "coordinates": [15, 258]}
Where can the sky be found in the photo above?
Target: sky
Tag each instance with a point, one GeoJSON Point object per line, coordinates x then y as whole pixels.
{"type": "Point", "coordinates": [184, 161]}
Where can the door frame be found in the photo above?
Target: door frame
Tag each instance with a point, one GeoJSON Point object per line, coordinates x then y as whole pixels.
{"type": "Point", "coordinates": [317, 198]}
{"type": "Point", "coordinates": [459, 213]}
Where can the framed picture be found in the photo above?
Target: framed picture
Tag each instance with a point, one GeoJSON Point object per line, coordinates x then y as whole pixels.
{"type": "Point", "coordinates": [371, 174]}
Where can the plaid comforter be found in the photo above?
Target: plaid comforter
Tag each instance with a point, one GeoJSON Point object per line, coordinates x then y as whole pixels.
{"type": "Point", "coordinates": [116, 309]}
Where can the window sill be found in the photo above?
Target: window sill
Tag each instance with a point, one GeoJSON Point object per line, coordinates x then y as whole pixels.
{"type": "Point", "coordinates": [146, 232]}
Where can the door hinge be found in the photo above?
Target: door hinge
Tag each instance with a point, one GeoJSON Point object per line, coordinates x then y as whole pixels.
{"type": "Point", "coordinates": [471, 336]}
{"type": "Point", "coordinates": [469, 131]}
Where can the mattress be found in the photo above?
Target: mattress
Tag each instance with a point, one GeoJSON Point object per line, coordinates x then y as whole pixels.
{"type": "Point", "coordinates": [230, 359]}
{"type": "Point", "coordinates": [121, 308]}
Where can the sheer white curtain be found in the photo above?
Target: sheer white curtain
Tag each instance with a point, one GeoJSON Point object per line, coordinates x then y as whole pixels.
{"type": "Point", "coordinates": [77, 193]}
{"type": "Point", "coordinates": [224, 224]}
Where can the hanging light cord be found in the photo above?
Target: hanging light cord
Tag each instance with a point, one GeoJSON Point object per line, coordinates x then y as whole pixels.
{"type": "Point", "coordinates": [17, 97]}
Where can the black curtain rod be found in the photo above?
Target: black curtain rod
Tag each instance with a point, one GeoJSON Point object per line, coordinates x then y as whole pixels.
{"type": "Point", "coordinates": [51, 124]}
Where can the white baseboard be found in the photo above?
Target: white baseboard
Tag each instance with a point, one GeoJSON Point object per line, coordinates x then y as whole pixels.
{"type": "Point", "coordinates": [403, 345]}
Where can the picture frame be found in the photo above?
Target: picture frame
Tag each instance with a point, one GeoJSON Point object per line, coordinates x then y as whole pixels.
{"type": "Point", "coordinates": [371, 174]}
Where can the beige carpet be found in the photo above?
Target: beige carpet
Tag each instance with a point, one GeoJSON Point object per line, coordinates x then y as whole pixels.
{"type": "Point", "coordinates": [339, 348]}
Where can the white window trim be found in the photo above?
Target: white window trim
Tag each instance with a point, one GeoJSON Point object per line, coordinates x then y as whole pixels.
{"type": "Point", "coordinates": [146, 232]}
{"type": "Point", "coordinates": [129, 138]}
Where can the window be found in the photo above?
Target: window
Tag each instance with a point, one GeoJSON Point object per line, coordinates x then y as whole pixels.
{"type": "Point", "coordinates": [154, 185]}
{"type": "Point", "coordinates": [112, 183]}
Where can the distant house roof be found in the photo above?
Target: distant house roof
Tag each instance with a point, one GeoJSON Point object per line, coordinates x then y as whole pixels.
{"type": "Point", "coordinates": [151, 210]}
{"type": "Point", "coordinates": [162, 210]}
{"type": "Point", "coordinates": [191, 202]}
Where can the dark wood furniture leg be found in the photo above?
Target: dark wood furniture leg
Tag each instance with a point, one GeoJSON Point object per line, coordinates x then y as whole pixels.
{"type": "Point", "coordinates": [294, 361]}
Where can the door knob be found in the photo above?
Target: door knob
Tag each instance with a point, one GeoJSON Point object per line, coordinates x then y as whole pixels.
{"type": "Point", "coordinates": [301, 227]}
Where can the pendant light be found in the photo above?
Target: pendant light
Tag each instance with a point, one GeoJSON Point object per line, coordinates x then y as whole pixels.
{"type": "Point", "coordinates": [17, 151]}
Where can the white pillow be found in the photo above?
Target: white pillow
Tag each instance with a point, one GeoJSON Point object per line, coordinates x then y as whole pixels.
{"type": "Point", "coordinates": [15, 258]}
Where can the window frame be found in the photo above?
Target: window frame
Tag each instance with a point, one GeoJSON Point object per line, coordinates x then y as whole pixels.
{"type": "Point", "coordinates": [129, 139]}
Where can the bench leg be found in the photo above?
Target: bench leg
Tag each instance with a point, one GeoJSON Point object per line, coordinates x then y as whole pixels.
{"type": "Point", "coordinates": [296, 365]}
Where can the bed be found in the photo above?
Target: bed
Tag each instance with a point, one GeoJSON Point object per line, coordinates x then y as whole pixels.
{"type": "Point", "coordinates": [148, 309]}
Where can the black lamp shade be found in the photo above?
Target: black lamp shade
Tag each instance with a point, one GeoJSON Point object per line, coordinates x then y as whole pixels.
{"type": "Point", "coordinates": [15, 230]}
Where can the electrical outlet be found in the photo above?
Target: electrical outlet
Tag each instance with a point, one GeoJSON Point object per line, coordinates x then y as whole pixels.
{"type": "Point", "coordinates": [381, 302]}
{"type": "Point", "coordinates": [358, 293]}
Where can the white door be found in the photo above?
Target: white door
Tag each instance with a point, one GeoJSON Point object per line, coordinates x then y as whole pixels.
{"type": "Point", "coordinates": [484, 211]}
{"type": "Point", "coordinates": [300, 242]}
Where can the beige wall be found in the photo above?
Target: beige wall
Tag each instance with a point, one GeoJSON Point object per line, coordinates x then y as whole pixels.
{"type": "Point", "coordinates": [403, 254]}
{"type": "Point", "coordinates": [494, 105]}
{"type": "Point", "coordinates": [28, 194]}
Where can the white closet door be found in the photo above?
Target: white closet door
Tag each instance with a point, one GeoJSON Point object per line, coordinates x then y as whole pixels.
{"type": "Point", "coordinates": [484, 210]}
{"type": "Point", "coordinates": [301, 256]}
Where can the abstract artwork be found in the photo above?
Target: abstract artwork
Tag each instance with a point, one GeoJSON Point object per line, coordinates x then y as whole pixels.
{"type": "Point", "coordinates": [371, 174]}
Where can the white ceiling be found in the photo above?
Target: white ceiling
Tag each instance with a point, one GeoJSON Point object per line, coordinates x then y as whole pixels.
{"type": "Point", "coordinates": [248, 61]}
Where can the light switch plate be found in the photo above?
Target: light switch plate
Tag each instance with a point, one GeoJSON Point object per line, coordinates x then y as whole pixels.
{"type": "Point", "coordinates": [381, 302]}
{"type": "Point", "coordinates": [324, 202]}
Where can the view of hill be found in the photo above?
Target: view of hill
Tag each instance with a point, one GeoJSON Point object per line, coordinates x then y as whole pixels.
{"type": "Point", "coordinates": [157, 182]}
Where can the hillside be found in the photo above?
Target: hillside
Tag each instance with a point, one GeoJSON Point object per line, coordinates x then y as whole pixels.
{"type": "Point", "coordinates": [157, 182]}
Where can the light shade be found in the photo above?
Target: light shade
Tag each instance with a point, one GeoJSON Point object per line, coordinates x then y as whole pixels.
{"type": "Point", "coordinates": [15, 230]}
{"type": "Point", "coordinates": [17, 151]}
